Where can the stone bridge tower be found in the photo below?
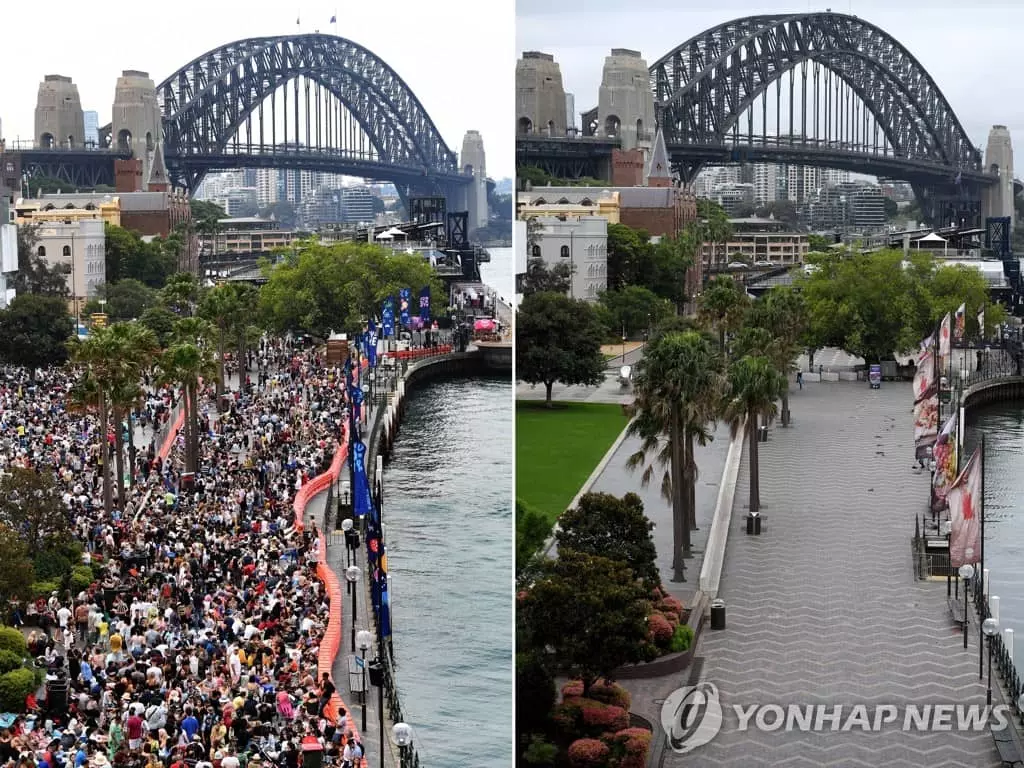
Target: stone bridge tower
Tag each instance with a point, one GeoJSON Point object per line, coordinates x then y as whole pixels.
{"type": "Point", "coordinates": [60, 122]}
{"type": "Point", "coordinates": [472, 160]}
{"type": "Point", "coordinates": [136, 121]}
{"type": "Point", "coordinates": [625, 103]}
{"type": "Point", "coordinates": [997, 200]}
{"type": "Point", "coordinates": [540, 96]}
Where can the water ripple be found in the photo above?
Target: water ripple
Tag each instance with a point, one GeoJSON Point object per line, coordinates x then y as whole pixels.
{"type": "Point", "coordinates": [448, 512]}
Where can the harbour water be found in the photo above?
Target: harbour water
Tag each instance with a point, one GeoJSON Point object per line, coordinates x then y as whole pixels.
{"type": "Point", "coordinates": [500, 273]}
{"type": "Point", "coordinates": [448, 522]}
{"type": "Point", "coordinates": [1003, 427]}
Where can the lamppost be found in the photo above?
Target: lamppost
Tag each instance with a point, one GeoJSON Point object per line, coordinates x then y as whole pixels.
{"type": "Point", "coordinates": [367, 400]}
{"type": "Point", "coordinates": [947, 531]}
{"type": "Point", "coordinates": [966, 573]}
{"type": "Point", "coordinates": [623, 344]}
{"type": "Point", "coordinates": [346, 526]}
{"type": "Point", "coordinates": [364, 639]}
{"type": "Point", "coordinates": [373, 378]}
{"type": "Point", "coordinates": [990, 627]}
{"type": "Point", "coordinates": [401, 734]}
{"type": "Point", "coordinates": [352, 574]}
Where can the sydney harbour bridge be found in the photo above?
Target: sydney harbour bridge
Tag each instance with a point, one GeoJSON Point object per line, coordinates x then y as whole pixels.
{"type": "Point", "coordinates": [305, 102]}
{"type": "Point", "coordinates": [812, 89]}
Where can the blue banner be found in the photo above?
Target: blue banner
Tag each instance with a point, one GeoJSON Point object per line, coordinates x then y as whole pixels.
{"type": "Point", "coordinates": [355, 394]}
{"type": "Point", "coordinates": [387, 318]}
{"type": "Point", "coordinates": [362, 499]}
{"type": "Point", "coordinates": [384, 599]}
{"type": "Point", "coordinates": [371, 344]}
{"type": "Point", "coordinates": [403, 306]}
{"type": "Point", "coordinates": [425, 305]}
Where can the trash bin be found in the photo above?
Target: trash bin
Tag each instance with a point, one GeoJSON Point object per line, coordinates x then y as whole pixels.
{"type": "Point", "coordinates": [762, 434]}
{"type": "Point", "coordinates": [753, 524]}
{"type": "Point", "coordinates": [718, 614]}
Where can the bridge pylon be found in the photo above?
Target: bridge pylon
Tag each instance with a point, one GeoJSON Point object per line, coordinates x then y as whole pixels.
{"type": "Point", "coordinates": [625, 102]}
{"type": "Point", "coordinates": [997, 199]}
{"type": "Point", "coordinates": [136, 124]}
{"type": "Point", "coordinates": [473, 160]}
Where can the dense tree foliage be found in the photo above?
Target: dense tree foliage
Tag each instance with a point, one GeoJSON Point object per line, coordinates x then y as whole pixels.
{"type": "Point", "coordinates": [126, 299]}
{"type": "Point", "coordinates": [633, 309]}
{"type": "Point", "coordinates": [34, 330]}
{"type": "Point", "coordinates": [328, 288]}
{"type": "Point", "coordinates": [128, 256]}
{"type": "Point", "coordinates": [34, 274]}
{"type": "Point", "coordinates": [558, 339]}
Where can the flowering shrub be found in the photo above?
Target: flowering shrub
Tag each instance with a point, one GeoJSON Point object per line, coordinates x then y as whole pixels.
{"type": "Point", "coordinates": [611, 693]}
{"type": "Point", "coordinates": [659, 629]}
{"type": "Point", "coordinates": [572, 689]}
{"type": "Point", "coordinates": [670, 617]}
{"type": "Point", "coordinates": [588, 753]}
{"type": "Point", "coordinates": [671, 605]}
{"type": "Point", "coordinates": [629, 748]}
{"type": "Point", "coordinates": [603, 717]}
{"type": "Point", "coordinates": [657, 594]}
{"type": "Point", "coordinates": [568, 718]}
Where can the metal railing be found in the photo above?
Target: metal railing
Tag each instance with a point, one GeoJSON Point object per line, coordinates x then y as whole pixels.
{"type": "Point", "coordinates": [1001, 657]}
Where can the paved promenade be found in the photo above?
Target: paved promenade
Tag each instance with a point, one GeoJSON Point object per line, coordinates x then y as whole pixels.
{"type": "Point", "coordinates": [824, 607]}
{"type": "Point", "coordinates": [618, 480]}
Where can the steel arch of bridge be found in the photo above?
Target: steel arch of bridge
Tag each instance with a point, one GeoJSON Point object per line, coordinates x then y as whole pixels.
{"type": "Point", "coordinates": [703, 86]}
{"type": "Point", "coordinates": [204, 104]}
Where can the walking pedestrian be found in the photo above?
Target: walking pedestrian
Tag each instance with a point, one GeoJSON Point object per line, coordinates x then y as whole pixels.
{"type": "Point", "coordinates": [800, 379]}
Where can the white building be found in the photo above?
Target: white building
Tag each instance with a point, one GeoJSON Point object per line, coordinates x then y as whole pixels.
{"type": "Point", "coordinates": [766, 183]}
{"type": "Point", "coordinates": [8, 260]}
{"type": "Point", "coordinates": [519, 257]}
{"type": "Point", "coordinates": [266, 186]}
{"type": "Point", "coordinates": [357, 205]}
{"type": "Point", "coordinates": [81, 247]}
{"type": "Point", "coordinates": [582, 243]}
{"type": "Point", "coordinates": [802, 182]}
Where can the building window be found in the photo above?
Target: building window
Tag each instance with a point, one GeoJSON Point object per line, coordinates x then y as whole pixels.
{"type": "Point", "coordinates": [565, 251]}
{"type": "Point", "coordinates": [66, 250]}
{"type": "Point", "coordinates": [41, 252]}
{"type": "Point", "coordinates": [536, 252]}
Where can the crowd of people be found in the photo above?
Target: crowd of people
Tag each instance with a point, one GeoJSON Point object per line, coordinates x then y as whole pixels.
{"type": "Point", "coordinates": [195, 646]}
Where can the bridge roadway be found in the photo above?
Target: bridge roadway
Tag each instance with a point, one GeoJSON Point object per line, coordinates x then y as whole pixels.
{"type": "Point", "coordinates": [824, 607]}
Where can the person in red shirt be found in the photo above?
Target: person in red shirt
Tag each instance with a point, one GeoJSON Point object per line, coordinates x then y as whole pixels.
{"type": "Point", "coordinates": [133, 730]}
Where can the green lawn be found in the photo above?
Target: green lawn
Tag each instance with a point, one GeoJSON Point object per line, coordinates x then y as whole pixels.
{"type": "Point", "coordinates": [558, 448]}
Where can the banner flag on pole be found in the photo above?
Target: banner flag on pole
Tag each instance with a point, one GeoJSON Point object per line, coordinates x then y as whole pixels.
{"type": "Point", "coordinates": [966, 506]}
{"type": "Point", "coordinates": [362, 499]}
{"type": "Point", "coordinates": [404, 295]}
{"type": "Point", "coordinates": [958, 323]}
{"type": "Point", "coordinates": [371, 344]}
{"type": "Point", "coordinates": [981, 323]}
{"type": "Point", "coordinates": [387, 317]}
{"type": "Point", "coordinates": [944, 331]}
{"type": "Point", "coordinates": [945, 454]}
{"type": "Point", "coordinates": [425, 304]}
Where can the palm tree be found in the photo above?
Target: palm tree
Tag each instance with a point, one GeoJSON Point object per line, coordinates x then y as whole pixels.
{"type": "Point", "coordinates": [755, 385]}
{"type": "Point", "coordinates": [188, 363]}
{"type": "Point", "coordinates": [678, 386]}
{"type": "Point", "coordinates": [100, 355]}
{"type": "Point", "coordinates": [721, 307]}
{"type": "Point", "coordinates": [221, 307]}
{"type": "Point", "coordinates": [139, 347]}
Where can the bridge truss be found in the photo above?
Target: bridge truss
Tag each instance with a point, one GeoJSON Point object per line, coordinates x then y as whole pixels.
{"type": "Point", "coordinates": [311, 102]}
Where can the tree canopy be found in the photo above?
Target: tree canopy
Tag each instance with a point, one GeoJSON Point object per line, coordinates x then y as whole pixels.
{"type": "Point", "coordinates": [126, 299]}
{"type": "Point", "coordinates": [336, 287]}
{"type": "Point", "coordinates": [558, 339]}
{"type": "Point", "coordinates": [34, 330]}
{"type": "Point", "coordinates": [129, 256]}
{"type": "Point", "coordinates": [877, 304]}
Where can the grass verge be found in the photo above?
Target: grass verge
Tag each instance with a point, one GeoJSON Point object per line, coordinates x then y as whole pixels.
{"type": "Point", "coordinates": [556, 450]}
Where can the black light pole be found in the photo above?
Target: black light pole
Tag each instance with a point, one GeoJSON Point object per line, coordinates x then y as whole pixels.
{"type": "Point", "coordinates": [352, 576]}
{"type": "Point", "coordinates": [364, 640]}
{"type": "Point", "coordinates": [966, 573]}
{"type": "Point", "coordinates": [990, 627]}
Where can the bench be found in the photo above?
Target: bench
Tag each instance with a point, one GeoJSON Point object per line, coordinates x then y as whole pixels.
{"type": "Point", "coordinates": [956, 609]}
{"type": "Point", "coordinates": [356, 678]}
{"type": "Point", "coordinates": [1009, 753]}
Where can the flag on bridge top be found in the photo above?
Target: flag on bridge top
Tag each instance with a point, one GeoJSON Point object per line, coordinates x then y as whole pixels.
{"type": "Point", "coordinates": [959, 319]}
{"type": "Point", "coordinates": [334, 20]}
{"type": "Point", "coordinates": [966, 507]}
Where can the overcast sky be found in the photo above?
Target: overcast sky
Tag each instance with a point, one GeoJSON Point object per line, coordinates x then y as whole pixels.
{"type": "Point", "coordinates": [455, 55]}
{"type": "Point", "coordinates": [972, 50]}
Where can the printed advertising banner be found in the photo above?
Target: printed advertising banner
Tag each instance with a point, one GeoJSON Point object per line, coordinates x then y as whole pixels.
{"type": "Point", "coordinates": [966, 507]}
{"type": "Point", "coordinates": [403, 306]}
{"type": "Point", "coordinates": [945, 454]}
{"type": "Point", "coordinates": [387, 317]}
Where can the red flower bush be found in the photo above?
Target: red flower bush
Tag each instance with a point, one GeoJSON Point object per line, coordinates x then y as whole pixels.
{"type": "Point", "coordinates": [572, 689]}
{"type": "Point", "coordinates": [588, 753]}
{"type": "Point", "coordinates": [603, 717]}
{"type": "Point", "coordinates": [611, 693]}
{"type": "Point", "coordinates": [630, 747]}
{"type": "Point", "coordinates": [671, 605]}
{"type": "Point", "coordinates": [659, 629]}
